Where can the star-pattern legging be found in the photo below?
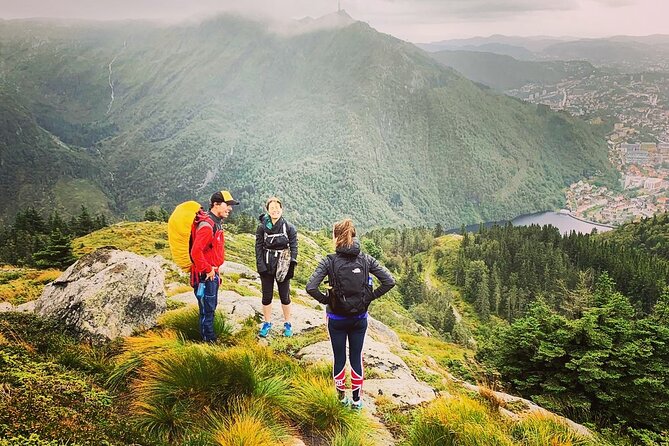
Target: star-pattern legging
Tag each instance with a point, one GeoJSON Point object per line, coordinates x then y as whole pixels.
{"type": "Point", "coordinates": [340, 331]}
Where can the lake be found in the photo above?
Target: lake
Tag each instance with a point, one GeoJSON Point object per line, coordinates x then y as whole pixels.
{"type": "Point", "coordinates": [561, 220]}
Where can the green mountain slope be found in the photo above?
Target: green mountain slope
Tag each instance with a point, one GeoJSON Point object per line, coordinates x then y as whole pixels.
{"type": "Point", "coordinates": [343, 120]}
{"type": "Point", "coordinates": [37, 169]}
{"type": "Point", "coordinates": [505, 72]}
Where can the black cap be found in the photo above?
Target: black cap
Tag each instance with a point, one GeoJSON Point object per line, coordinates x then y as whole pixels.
{"type": "Point", "coordinates": [223, 197]}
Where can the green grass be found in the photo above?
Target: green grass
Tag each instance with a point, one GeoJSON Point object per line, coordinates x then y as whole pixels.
{"type": "Point", "coordinates": [457, 421]}
{"type": "Point", "coordinates": [297, 342]}
{"type": "Point", "coordinates": [186, 322]}
{"type": "Point", "coordinates": [20, 285]}
{"type": "Point", "coordinates": [145, 238]}
{"type": "Point", "coordinates": [539, 429]}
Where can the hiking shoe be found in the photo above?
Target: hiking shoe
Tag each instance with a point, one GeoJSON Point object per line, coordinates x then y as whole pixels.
{"type": "Point", "coordinates": [346, 402]}
{"type": "Point", "coordinates": [287, 329]}
{"type": "Point", "coordinates": [264, 330]}
{"type": "Point", "coordinates": [356, 406]}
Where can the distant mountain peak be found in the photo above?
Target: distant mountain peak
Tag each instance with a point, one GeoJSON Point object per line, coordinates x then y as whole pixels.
{"type": "Point", "coordinates": [344, 14]}
{"type": "Point", "coordinates": [334, 20]}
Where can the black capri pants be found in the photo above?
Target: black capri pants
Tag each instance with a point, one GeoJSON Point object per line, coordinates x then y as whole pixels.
{"type": "Point", "coordinates": [267, 281]}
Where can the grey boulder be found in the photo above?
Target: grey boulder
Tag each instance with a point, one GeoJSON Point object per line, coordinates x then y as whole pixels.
{"type": "Point", "coordinates": [106, 294]}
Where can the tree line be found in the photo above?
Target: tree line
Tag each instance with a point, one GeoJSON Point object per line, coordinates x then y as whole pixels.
{"type": "Point", "coordinates": [35, 241]}
{"type": "Point", "coordinates": [504, 269]}
{"type": "Point", "coordinates": [607, 365]}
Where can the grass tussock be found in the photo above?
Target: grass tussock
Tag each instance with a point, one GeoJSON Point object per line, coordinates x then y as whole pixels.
{"type": "Point", "coordinates": [244, 430]}
{"type": "Point", "coordinates": [545, 429]}
{"type": "Point", "coordinates": [248, 416]}
{"type": "Point", "coordinates": [138, 351]}
{"type": "Point", "coordinates": [489, 395]}
{"type": "Point", "coordinates": [317, 407]}
{"type": "Point", "coordinates": [350, 438]}
{"type": "Point", "coordinates": [186, 322]}
{"type": "Point", "coordinates": [183, 387]}
{"type": "Point", "coordinates": [457, 421]}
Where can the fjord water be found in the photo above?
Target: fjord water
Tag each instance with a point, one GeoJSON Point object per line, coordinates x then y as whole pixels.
{"type": "Point", "coordinates": [561, 220]}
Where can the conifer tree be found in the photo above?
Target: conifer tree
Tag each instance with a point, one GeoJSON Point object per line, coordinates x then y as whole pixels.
{"type": "Point", "coordinates": [56, 254]}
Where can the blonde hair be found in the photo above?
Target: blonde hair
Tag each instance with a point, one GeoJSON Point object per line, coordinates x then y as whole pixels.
{"type": "Point", "coordinates": [343, 232]}
{"type": "Point", "coordinates": [271, 200]}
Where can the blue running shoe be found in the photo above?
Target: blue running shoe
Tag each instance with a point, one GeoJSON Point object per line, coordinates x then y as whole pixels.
{"type": "Point", "coordinates": [287, 329]}
{"type": "Point", "coordinates": [264, 330]}
{"type": "Point", "coordinates": [346, 402]}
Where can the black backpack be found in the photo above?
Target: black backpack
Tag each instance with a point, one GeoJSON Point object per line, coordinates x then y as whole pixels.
{"type": "Point", "coordinates": [352, 292]}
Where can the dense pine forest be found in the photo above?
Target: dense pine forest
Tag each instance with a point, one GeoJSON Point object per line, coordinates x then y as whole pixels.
{"type": "Point", "coordinates": [577, 323]}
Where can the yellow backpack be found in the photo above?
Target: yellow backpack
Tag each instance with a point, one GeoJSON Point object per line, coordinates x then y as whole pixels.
{"type": "Point", "coordinates": [179, 230]}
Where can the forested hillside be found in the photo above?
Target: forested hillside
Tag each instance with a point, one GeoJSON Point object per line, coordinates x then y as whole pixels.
{"type": "Point", "coordinates": [577, 323]}
{"type": "Point", "coordinates": [336, 119]}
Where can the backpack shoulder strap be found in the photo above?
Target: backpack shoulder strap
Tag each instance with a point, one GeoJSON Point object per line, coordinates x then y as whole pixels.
{"type": "Point", "coordinates": [202, 219]}
{"type": "Point", "coordinates": [365, 263]}
{"type": "Point", "coordinates": [331, 271]}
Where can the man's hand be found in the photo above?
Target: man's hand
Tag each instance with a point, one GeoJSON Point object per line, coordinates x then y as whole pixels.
{"type": "Point", "coordinates": [211, 274]}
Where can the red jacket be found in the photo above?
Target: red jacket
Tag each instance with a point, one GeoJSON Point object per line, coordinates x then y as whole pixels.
{"type": "Point", "coordinates": [208, 250]}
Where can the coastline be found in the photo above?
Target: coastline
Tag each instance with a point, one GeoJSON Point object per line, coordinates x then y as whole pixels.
{"type": "Point", "coordinates": [594, 223]}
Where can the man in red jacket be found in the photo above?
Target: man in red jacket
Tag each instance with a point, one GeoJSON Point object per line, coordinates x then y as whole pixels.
{"type": "Point", "coordinates": [208, 254]}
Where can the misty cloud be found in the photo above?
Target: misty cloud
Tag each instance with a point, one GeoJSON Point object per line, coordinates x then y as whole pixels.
{"type": "Point", "coordinates": [480, 8]}
{"type": "Point", "coordinates": [615, 3]}
{"type": "Point", "coordinates": [414, 20]}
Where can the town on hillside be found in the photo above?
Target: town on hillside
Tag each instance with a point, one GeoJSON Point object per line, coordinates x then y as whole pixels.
{"type": "Point", "coordinates": [638, 143]}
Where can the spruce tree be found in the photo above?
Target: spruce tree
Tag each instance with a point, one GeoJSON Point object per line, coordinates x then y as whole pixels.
{"type": "Point", "coordinates": [56, 254]}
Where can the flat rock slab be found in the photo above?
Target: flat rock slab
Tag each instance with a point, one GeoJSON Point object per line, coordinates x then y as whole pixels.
{"type": "Point", "coordinates": [397, 382]}
{"type": "Point", "coordinates": [240, 308]}
{"type": "Point", "coordinates": [404, 392]}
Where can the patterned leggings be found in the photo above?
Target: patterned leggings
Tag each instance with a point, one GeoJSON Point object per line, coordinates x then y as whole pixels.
{"type": "Point", "coordinates": [354, 330]}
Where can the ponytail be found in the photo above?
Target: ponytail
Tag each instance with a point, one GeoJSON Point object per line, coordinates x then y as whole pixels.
{"type": "Point", "coordinates": [343, 232]}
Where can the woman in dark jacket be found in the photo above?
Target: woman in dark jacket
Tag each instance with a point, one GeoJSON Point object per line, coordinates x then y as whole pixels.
{"type": "Point", "coordinates": [346, 304]}
{"type": "Point", "coordinates": [275, 234]}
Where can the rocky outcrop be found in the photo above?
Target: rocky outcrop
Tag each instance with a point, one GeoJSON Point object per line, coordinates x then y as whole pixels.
{"type": "Point", "coordinates": [522, 407]}
{"type": "Point", "coordinates": [392, 377]}
{"type": "Point", "coordinates": [242, 270]}
{"type": "Point", "coordinates": [107, 294]}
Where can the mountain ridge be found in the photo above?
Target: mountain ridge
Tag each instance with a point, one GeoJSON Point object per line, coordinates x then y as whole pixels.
{"type": "Point", "coordinates": [338, 119]}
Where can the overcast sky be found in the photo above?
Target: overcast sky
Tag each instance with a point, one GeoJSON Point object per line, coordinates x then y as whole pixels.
{"type": "Point", "coordinates": [412, 20]}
